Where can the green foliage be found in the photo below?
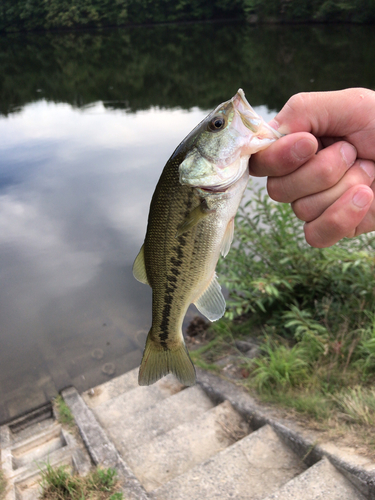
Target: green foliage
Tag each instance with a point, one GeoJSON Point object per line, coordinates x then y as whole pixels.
{"type": "Point", "coordinates": [366, 347]}
{"type": "Point", "coordinates": [311, 295]}
{"type": "Point", "coordinates": [59, 484]}
{"type": "Point", "coordinates": [308, 10]}
{"type": "Point", "coordinates": [357, 405]}
{"type": "Point", "coordinates": [280, 367]}
{"type": "Point", "coordinates": [117, 66]}
{"type": "Point", "coordinates": [346, 10]}
{"type": "Point", "coordinates": [47, 14]}
{"type": "Point", "coordinates": [64, 414]}
{"type": "Point", "coordinates": [316, 307]}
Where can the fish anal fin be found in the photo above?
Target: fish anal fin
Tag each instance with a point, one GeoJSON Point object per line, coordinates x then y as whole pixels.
{"type": "Point", "coordinates": [228, 238]}
{"type": "Point", "coordinates": [211, 303]}
{"type": "Point", "coordinates": [194, 217]}
{"type": "Point", "coordinates": [139, 268]}
{"type": "Point", "coordinates": [158, 362]}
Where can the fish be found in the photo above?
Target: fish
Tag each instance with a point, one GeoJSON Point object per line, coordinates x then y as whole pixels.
{"type": "Point", "coordinates": [190, 223]}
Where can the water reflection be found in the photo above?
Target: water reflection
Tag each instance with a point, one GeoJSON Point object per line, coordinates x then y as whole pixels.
{"type": "Point", "coordinates": [184, 65]}
{"type": "Point", "coordinates": [88, 121]}
{"type": "Point", "coordinates": [75, 190]}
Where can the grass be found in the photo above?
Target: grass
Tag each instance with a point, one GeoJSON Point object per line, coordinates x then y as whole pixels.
{"type": "Point", "coordinates": [64, 415]}
{"type": "Point", "coordinates": [312, 311]}
{"type": "Point", "coordinates": [59, 484]}
{"type": "Point", "coordinates": [3, 484]}
{"type": "Point", "coordinates": [357, 405]}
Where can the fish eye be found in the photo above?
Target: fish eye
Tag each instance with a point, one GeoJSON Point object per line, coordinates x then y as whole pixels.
{"type": "Point", "coordinates": [217, 123]}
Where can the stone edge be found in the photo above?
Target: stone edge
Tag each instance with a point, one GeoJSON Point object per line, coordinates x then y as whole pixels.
{"type": "Point", "coordinates": [102, 451]}
{"type": "Point", "coordinates": [219, 390]}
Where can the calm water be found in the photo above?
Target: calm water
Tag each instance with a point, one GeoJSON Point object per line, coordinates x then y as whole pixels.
{"type": "Point", "coordinates": [87, 121]}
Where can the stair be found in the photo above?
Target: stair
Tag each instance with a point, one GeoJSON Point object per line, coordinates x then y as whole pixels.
{"type": "Point", "coordinates": [250, 469]}
{"type": "Point", "coordinates": [177, 444]}
{"type": "Point", "coordinates": [29, 444]}
{"type": "Point", "coordinates": [322, 481]}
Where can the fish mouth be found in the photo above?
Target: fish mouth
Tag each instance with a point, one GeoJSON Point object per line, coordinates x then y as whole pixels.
{"type": "Point", "coordinates": [213, 189]}
{"type": "Point", "coordinates": [251, 119]}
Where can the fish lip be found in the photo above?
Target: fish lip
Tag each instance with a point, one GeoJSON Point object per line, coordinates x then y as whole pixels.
{"type": "Point", "coordinates": [212, 189]}
{"type": "Point", "coordinates": [251, 119]}
{"type": "Point", "coordinates": [241, 94]}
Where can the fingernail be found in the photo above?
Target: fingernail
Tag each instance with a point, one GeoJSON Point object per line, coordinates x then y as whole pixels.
{"type": "Point", "coordinates": [348, 153]}
{"type": "Point", "coordinates": [274, 124]}
{"type": "Point", "coordinates": [362, 198]}
{"type": "Point", "coordinates": [368, 167]}
{"type": "Point", "coordinates": [303, 148]}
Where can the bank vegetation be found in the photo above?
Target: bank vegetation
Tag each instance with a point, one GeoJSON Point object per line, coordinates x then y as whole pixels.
{"type": "Point", "coordinates": [28, 15]}
{"type": "Point", "coordinates": [310, 311]}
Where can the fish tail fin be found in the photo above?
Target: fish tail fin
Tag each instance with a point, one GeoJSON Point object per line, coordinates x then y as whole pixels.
{"type": "Point", "coordinates": [158, 361]}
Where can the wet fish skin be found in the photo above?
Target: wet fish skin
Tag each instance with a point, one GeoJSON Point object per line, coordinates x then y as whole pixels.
{"type": "Point", "coordinates": [190, 223]}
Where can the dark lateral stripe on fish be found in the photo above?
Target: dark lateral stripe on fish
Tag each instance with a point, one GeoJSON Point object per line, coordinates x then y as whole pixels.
{"type": "Point", "coordinates": [171, 287]}
{"type": "Point", "coordinates": [176, 262]}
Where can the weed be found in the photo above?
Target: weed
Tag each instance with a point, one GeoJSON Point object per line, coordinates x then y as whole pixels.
{"type": "Point", "coordinates": [280, 367]}
{"type": "Point", "coordinates": [59, 484]}
{"type": "Point", "coordinates": [64, 414]}
{"type": "Point", "coordinates": [313, 309]}
{"type": "Point", "coordinates": [357, 405]}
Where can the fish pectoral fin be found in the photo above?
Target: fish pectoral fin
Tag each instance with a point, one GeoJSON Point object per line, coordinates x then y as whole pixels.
{"type": "Point", "coordinates": [211, 303]}
{"type": "Point", "coordinates": [194, 217]}
{"type": "Point", "coordinates": [158, 361]}
{"type": "Point", "coordinates": [228, 238]}
{"type": "Point", "coordinates": [139, 268]}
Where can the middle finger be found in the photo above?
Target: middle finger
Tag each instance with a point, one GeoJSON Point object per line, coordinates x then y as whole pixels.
{"type": "Point", "coordinates": [323, 171]}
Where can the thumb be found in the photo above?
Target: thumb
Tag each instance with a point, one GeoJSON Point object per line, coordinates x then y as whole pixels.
{"type": "Point", "coordinates": [332, 114]}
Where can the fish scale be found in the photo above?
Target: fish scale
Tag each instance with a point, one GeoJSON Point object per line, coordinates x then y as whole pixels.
{"type": "Point", "coordinates": [190, 223]}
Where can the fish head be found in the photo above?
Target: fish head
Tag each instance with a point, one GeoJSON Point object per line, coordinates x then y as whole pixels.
{"type": "Point", "coordinates": [223, 143]}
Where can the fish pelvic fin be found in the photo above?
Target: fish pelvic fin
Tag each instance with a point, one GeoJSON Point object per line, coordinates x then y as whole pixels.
{"type": "Point", "coordinates": [158, 361]}
{"type": "Point", "coordinates": [212, 302]}
{"type": "Point", "coordinates": [139, 268]}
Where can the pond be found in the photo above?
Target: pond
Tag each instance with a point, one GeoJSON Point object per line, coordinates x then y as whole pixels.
{"type": "Point", "coordinates": [87, 122]}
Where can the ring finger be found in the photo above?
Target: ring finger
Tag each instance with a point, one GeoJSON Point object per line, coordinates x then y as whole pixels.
{"type": "Point", "coordinates": [322, 172]}
{"type": "Point", "coordinates": [311, 207]}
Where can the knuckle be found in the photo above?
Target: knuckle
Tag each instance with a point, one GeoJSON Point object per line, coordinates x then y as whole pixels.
{"type": "Point", "coordinates": [277, 190]}
{"type": "Point", "coordinates": [327, 175]}
{"type": "Point", "coordinates": [302, 210]}
{"type": "Point", "coordinates": [297, 101]}
{"type": "Point", "coordinates": [337, 224]}
{"type": "Point", "coordinates": [330, 174]}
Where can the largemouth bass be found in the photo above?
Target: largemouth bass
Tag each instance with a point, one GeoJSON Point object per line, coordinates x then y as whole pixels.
{"type": "Point", "coordinates": [190, 223]}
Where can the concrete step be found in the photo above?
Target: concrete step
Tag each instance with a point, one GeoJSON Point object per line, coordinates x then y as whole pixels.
{"type": "Point", "coordinates": [156, 420]}
{"type": "Point", "coordinates": [133, 401]}
{"type": "Point", "coordinates": [185, 446]}
{"type": "Point", "coordinates": [322, 481]}
{"type": "Point", "coordinates": [29, 444]}
{"type": "Point", "coordinates": [111, 389]}
{"type": "Point", "coordinates": [251, 469]}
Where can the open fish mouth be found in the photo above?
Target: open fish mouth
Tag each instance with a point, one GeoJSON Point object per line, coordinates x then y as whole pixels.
{"type": "Point", "coordinates": [251, 119]}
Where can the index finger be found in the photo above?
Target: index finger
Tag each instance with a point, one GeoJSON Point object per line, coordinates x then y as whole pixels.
{"type": "Point", "coordinates": [333, 114]}
{"type": "Point", "coordinates": [284, 156]}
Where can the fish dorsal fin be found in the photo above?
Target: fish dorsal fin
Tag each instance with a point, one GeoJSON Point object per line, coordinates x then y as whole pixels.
{"type": "Point", "coordinates": [194, 217]}
{"type": "Point", "coordinates": [211, 303]}
{"type": "Point", "coordinates": [228, 238]}
{"type": "Point", "coordinates": [139, 269]}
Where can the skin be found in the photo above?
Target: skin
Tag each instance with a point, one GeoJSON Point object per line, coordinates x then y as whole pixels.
{"type": "Point", "coordinates": [325, 166]}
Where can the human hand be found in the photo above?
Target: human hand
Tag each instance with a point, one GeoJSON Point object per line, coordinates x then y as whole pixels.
{"type": "Point", "coordinates": [325, 165]}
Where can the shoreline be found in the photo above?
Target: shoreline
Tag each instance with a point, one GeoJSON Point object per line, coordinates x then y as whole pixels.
{"type": "Point", "coordinates": [252, 21]}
